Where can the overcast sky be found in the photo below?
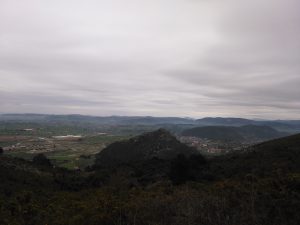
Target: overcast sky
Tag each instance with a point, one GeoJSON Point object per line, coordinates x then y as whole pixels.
{"type": "Point", "coordinates": [191, 58]}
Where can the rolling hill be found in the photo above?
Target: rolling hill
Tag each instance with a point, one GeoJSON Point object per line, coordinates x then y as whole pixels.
{"type": "Point", "coordinates": [158, 144]}
{"type": "Point", "coordinates": [246, 133]}
{"type": "Point", "coordinates": [290, 126]}
{"type": "Point", "coordinates": [221, 121]}
{"type": "Point", "coordinates": [278, 157]}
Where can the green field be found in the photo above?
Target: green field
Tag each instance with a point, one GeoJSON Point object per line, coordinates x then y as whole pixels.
{"type": "Point", "coordinates": [31, 138]}
{"type": "Point", "coordinates": [69, 154]}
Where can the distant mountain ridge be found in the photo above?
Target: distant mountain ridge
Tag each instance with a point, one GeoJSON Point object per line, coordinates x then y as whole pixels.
{"type": "Point", "coordinates": [229, 133]}
{"type": "Point", "coordinates": [225, 121]}
{"type": "Point", "coordinates": [291, 126]}
{"type": "Point", "coordinates": [104, 120]}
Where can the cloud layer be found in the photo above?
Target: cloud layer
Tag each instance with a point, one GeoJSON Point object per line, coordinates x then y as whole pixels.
{"type": "Point", "coordinates": [164, 58]}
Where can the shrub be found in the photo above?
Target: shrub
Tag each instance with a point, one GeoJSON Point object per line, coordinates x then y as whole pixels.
{"type": "Point", "coordinates": [41, 160]}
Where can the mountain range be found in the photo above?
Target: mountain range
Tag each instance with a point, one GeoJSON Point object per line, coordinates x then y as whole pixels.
{"type": "Point", "coordinates": [282, 125]}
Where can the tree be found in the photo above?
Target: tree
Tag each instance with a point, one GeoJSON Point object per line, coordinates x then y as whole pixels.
{"type": "Point", "coordinates": [184, 169]}
{"type": "Point", "coordinates": [179, 169]}
{"type": "Point", "coordinates": [41, 160]}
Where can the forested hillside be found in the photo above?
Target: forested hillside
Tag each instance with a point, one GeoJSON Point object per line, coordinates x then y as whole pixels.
{"type": "Point", "coordinates": [258, 186]}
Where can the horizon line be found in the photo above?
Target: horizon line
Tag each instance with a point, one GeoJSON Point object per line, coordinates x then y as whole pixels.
{"type": "Point", "coordinates": [182, 117]}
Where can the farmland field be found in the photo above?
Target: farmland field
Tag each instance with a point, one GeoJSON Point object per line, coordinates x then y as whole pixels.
{"type": "Point", "coordinates": [56, 142]}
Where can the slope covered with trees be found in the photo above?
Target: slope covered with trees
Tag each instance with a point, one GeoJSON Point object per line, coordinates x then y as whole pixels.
{"type": "Point", "coordinates": [160, 144]}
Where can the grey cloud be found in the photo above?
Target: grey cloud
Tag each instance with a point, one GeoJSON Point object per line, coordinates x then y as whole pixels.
{"type": "Point", "coordinates": [161, 58]}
